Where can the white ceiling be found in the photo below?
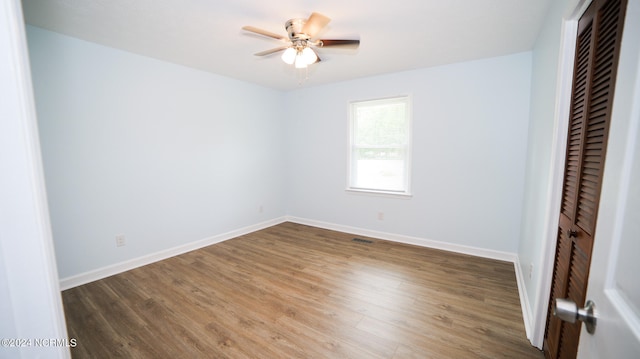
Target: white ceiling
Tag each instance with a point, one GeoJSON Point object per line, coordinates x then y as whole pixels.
{"type": "Point", "coordinates": [206, 34]}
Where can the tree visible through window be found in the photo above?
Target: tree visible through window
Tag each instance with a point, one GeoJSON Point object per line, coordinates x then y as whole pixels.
{"type": "Point", "coordinates": [380, 145]}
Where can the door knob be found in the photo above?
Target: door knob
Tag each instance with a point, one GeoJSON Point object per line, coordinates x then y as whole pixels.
{"type": "Point", "coordinates": [572, 233]}
{"type": "Point", "coordinates": [567, 310]}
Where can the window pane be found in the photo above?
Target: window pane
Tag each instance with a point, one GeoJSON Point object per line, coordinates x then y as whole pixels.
{"type": "Point", "coordinates": [385, 175]}
{"type": "Point", "coordinates": [383, 124]}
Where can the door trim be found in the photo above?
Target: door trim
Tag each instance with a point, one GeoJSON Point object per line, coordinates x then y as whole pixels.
{"type": "Point", "coordinates": [27, 241]}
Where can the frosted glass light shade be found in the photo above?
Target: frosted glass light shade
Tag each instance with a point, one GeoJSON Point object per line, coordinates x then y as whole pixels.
{"type": "Point", "coordinates": [309, 56]}
{"type": "Point", "coordinates": [300, 63]}
{"type": "Point", "coordinates": [289, 56]}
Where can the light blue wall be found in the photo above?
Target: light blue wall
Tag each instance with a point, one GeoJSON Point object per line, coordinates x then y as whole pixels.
{"type": "Point", "coordinates": [470, 125]}
{"type": "Point", "coordinates": [546, 57]}
{"type": "Point", "coordinates": [161, 153]}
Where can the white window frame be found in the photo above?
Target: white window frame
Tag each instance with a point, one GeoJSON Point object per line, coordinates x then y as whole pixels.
{"type": "Point", "coordinates": [351, 170]}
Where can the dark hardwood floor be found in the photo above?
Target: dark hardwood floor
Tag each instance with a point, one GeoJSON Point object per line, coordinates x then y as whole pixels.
{"type": "Point", "coordinates": [293, 291]}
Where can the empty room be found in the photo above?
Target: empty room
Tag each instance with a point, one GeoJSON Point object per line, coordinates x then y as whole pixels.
{"type": "Point", "coordinates": [410, 179]}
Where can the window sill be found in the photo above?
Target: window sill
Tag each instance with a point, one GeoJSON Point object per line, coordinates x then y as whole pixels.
{"type": "Point", "coordinates": [378, 193]}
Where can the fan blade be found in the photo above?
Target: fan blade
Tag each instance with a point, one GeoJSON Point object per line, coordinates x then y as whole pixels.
{"type": "Point", "coordinates": [272, 51]}
{"type": "Point", "coordinates": [263, 32]}
{"type": "Point", "coordinates": [315, 23]}
{"type": "Point", "coordinates": [350, 44]}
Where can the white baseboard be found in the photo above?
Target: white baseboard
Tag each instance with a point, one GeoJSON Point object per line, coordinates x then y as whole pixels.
{"type": "Point", "coordinates": [457, 248]}
{"type": "Point", "coordinates": [527, 314]}
{"type": "Point", "coordinates": [83, 278]}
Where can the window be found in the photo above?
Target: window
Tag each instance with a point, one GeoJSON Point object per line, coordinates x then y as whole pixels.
{"type": "Point", "coordinates": [380, 132]}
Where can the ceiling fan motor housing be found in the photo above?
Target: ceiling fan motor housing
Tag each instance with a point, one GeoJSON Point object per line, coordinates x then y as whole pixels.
{"type": "Point", "coordinates": [294, 29]}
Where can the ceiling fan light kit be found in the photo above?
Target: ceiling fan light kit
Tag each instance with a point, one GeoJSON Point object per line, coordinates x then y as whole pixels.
{"type": "Point", "coordinates": [300, 58]}
{"type": "Point", "coordinates": [301, 41]}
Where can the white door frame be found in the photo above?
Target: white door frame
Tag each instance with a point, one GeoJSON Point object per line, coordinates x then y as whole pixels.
{"type": "Point", "coordinates": [31, 312]}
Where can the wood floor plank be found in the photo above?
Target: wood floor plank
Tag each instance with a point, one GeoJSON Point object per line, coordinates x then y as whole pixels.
{"type": "Point", "coordinates": [294, 291]}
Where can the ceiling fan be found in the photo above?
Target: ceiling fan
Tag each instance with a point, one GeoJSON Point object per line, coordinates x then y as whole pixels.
{"type": "Point", "coordinates": [301, 42]}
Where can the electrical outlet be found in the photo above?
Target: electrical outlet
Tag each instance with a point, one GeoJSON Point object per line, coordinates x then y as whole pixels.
{"type": "Point", "coordinates": [120, 240]}
{"type": "Point", "coordinates": [380, 216]}
{"type": "Point", "coordinates": [260, 209]}
{"type": "Point", "coordinates": [530, 270]}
